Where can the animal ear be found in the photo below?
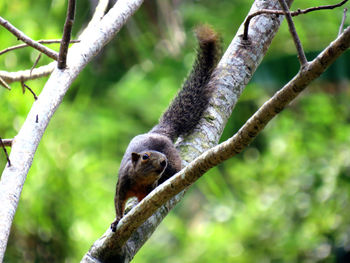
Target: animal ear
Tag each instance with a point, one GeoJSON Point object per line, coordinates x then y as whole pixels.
{"type": "Point", "coordinates": [135, 157]}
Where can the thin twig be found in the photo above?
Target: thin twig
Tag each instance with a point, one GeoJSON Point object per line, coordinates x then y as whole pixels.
{"type": "Point", "coordinates": [342, 22]}
{"type": "Point", "coordinates": [5, 151]}
{"type": "Point", "coordinates": [297, 42]}
{"type": "Point", "coordinates": [21, 36]}
{"type": "Point", "coordinates": [67, 30]}
{"type": "Point", "coordinates": [24, 86]}
{"type": "Point", "coordinates": [49, 41]}
{"type": "Point", "coordinates": [35, 63]}
{"type": "Point", "coordinates": [4, 84]}
{"type": "Point", "coordinates": [280, 12]}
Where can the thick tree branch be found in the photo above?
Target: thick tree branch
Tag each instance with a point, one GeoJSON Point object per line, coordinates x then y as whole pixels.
{"type": "Point", "coordinates": [67, 30]}
{"type": "Point", "coordinates": [99, 12]}
{"type": "Point", "coordinates": [30, 42]}
{"type": "Point", "coordinates": [26, 142]}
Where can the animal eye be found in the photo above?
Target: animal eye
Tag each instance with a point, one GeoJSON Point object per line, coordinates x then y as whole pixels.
{"type": "Point", "coordinates": [145, 156]}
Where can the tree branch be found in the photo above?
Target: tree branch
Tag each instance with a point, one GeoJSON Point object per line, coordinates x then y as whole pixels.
{"type": "Point", "coordinates": [26, 142]}
{"type": "Point", "coordinates": [342, 22]}
{"type": "Point", "coordinates": [100, 11]}
{"type": "Point", "coordinates": [7, 142]}
{"type": "Point", "coordinates": [2, 144]}
{"type": "Point", "coordinates": [4, 84]}
{"type": "Point", "coordinates": [29, 74]}
{"type": "Point", "coordinates": [67, 30]}
{"type": "Point", "coordinates": [30, 42]}
{"type": "Point", "coordinates": [293, 31]}
{"type": "Point", "coordinates": [280, 12]}
{"type": "Point", "coordinates": [48, 41]}
{"type": "Point", "coordinates": [24, 87]}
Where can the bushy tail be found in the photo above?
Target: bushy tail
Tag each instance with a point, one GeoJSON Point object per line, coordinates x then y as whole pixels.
{"type": "Point", "coordinates": [187, 108]}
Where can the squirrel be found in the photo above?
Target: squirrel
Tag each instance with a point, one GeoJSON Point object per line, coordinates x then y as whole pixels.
{"type": "Point", "coordinates": [152, 158]}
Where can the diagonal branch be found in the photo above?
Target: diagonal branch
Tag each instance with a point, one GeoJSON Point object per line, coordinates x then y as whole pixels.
{"type": "Point", "coordinates": [47, 41]}
{"type": "Point", "coordinates": [2, 144]}
{"type": "Point", "coordinates": [4, 84]}
{"type": "Point", "coordinates": [21, 36]}
{"type": "Point", "coordinates": [293, 31]}
{"type": "Point", "coordinates": [342, 22]}
{"type": "Point", "coordinates": [67, 30]}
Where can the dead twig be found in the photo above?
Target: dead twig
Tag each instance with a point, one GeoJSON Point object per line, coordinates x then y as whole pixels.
{"type": "Point", "coordinates": [24, 87]}
{"type": "Point", "coordinates": [30, 42]}
{"type": "Point", "coordinates": [4, 84]}
{"type": "Point", "coordinates": [296, 39]}
{"type": "Point", "coordinates": [342, 22]}
{"type": "Point", "coordinates": [35, 63]}
{"type": "Point", "coordinates": [280, 12]}
{"type": "Point", "coordinates": [5, 151]}
{"type": "Point", "coordinates": [67, 30]}
{"type": "Point", "coordinates": [48, 41]}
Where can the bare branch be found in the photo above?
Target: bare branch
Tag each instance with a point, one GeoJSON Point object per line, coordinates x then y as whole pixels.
{"type": "Point", "coordinates": [48, 41]}
{"type": "Point", "coordinates": [5, 151]}
{"type": "Point", "coordinates": [342, 22]}
{"type": "Point", "coordinates": [35, 63]}
{"type": "Point", "coordinates": [293, 31]}
{"type": "Point", "coordinates": [21, 36]}
{"type": "Point", "coordinates": [67, 30]}
{"type": "Point", "coordinates": [293, 13]}
{"type": "Point", "coordinates": [24, 86]}
{"type": "Point", "coordinates": [29, 74]}
{"type": "Point", "coordinates": [4, 84]}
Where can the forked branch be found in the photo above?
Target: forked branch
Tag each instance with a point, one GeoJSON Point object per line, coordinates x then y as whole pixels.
{"type": "Point", "coordinates": [280, 12]}
{"type": "Point", "coordinates": [30, 42]}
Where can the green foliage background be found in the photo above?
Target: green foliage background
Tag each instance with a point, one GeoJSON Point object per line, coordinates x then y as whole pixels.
{"type": "Point", "coordinates": [284, 199]}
